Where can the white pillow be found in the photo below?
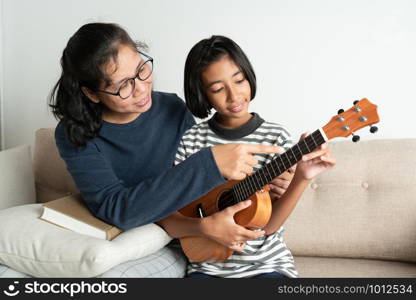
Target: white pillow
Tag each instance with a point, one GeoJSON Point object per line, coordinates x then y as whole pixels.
{"type": "Point", "coordinates": [17, 184]}
{"type": "Point", "coordinates": [38, 248]}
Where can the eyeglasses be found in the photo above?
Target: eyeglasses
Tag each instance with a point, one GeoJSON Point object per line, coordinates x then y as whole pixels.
{"type": "Point", "coordinates": [127, 87]}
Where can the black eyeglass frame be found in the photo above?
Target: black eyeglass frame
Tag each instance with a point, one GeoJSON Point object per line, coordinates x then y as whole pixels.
{"type": "Point", "coordinates": [148, 58]}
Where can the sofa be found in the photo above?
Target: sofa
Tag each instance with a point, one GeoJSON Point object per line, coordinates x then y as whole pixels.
{"type": "Point", "coordinates": [356, 220]}
{"type": "Point", "coordinates": [359, 218]}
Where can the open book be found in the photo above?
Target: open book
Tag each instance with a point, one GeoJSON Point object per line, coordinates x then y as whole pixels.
{"type": "Point", "coordinates": [71, 213]}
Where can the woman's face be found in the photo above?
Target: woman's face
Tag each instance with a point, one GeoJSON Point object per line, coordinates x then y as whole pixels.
{"type": "Point", "coordinates": [228, 91]}
{"type": "Point", "coordinates": [127, 66]}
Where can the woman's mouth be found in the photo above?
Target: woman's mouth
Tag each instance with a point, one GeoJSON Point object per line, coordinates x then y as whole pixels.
{"type": "Point", "coordinates": [142, 102]}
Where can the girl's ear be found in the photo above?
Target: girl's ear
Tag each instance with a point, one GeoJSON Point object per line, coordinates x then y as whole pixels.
{"type": "Point", "coordinates": [90, 94]}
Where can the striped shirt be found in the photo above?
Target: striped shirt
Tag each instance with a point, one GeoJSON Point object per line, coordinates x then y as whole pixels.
{"type": "Point", "coordinates": [265, 254]}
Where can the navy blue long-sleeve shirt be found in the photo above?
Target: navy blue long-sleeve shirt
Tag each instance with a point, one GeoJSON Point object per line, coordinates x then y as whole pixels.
{"type": "Point", "coordinates": [126, 173]}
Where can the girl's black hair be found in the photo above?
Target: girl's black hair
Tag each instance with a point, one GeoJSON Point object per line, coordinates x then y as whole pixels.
{"type": "Point", "coordinates": [199, 58]}
{"type": "Point", "coordinates": [83, 61]}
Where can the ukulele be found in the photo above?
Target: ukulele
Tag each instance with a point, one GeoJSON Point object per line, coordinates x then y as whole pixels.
{"type": "Point", "coordinates": [254, 187]}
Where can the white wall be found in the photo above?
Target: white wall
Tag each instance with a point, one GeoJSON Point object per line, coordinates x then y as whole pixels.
{"type": "Point", "coordinates": [1, 78]}
{"type": "Point", "coordinates": [311, 57]}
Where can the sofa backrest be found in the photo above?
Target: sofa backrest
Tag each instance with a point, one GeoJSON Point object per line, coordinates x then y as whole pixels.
{"type": "Point", "coordinates": [52, 180]}
{"type": "Point", "coordinates": [364, 207]}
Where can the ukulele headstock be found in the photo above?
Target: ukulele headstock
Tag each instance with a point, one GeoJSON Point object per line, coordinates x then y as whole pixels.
{"type": "Point", "coordinates": [362, 114]}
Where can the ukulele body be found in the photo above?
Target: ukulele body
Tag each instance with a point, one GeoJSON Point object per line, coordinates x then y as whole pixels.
{"type": "Point", "coordinates": [257, 215]}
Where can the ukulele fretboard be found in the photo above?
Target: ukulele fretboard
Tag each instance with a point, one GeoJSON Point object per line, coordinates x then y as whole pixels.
{"type": "Point", "coordinates": [280, 163]}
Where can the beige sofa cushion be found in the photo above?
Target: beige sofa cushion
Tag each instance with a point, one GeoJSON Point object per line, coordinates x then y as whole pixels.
{"type": "Point", "coordinates": [351, 267]}
{"type": "Point", "coordinates": [52, 179]}
{"type": "Point", "coordinates": [16, 177]}
{"type": "Point", "coordinates": [365, 207]}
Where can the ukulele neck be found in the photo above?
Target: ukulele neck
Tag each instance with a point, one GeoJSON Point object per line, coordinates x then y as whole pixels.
{"type": "Point", "coordinates": [280, 163]}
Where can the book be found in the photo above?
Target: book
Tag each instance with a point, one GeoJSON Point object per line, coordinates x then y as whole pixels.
{"type": "Point", "coordinates": [72, 213]}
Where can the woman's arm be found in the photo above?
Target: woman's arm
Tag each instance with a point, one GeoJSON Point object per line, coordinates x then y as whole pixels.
{"type": "Point", "coordinates": [148, 200]}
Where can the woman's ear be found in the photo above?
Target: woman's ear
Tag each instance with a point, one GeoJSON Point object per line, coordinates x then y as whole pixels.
{"type": "Point", "coordinates": [90, 94]}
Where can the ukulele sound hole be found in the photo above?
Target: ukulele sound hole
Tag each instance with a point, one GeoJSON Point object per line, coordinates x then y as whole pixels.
{"type": "Point", "coordinates": [225, 199]}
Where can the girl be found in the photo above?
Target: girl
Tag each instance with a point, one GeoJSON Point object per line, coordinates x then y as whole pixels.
{"type": "Point", "coordinates": [218, 75]}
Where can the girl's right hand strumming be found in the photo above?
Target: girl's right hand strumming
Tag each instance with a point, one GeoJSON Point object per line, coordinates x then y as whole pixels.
{"type": "Point", "coordinates": [222, 228]}
{"type": "Point", "coordinates": [236, 161]}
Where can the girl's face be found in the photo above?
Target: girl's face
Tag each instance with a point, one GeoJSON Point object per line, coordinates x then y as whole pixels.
{"type": "Point", "coordinates": [118, 110]}
{"type": "Point", "coordinates": [228, 91]}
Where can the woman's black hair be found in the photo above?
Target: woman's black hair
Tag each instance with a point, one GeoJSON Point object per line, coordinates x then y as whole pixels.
{"type": "Point", "coordinates": [199, 58]}
{"type": "Point", "coordinates": [83, 61]}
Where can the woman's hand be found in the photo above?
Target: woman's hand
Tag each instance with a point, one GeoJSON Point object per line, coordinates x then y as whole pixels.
{"type": "Point", "coordinates": [236, 161]}
{"type": "Point", "coordinates": [222, 228]}
{"type": "Point", "coordinates": [279, 185]}
{"type": "Point", "coordinates": [315, 162]}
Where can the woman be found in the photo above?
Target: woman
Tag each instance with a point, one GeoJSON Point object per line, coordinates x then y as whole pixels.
{"type": "Point", "coordinates": [119, 138]}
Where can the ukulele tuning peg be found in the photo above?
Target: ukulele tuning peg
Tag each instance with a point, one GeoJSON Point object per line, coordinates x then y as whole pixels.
{"type": "Point", "coordinates": [340, 111]}
{"type": "Point", "coordinates": [355, 138]}
{"type": "Point", "coordinates": [373, 129]}
{"type": "Point", "coordinates": [355, 102]}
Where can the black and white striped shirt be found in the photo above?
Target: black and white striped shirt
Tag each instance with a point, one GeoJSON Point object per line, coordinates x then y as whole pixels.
{"type": "Point", "coordinates": [265, 254]}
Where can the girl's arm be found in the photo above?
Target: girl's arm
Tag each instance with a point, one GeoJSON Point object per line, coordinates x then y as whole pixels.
{"type": "Point", "coordinates": [178, 225]}
{"type": "Point", "coordinates": [219, 227]}
{"type": "Point", "coordinates": [284, 206]}
{"type": "Point", "coordinates": [311, 165]}
{"type": "Point", "coordinates": [279, 185]}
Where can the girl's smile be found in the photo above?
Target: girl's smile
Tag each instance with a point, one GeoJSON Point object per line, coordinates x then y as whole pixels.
{"type": "Point", "coordinates": [228, 91]}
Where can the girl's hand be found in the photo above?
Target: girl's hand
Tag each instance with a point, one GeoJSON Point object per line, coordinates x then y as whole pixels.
{"type": "Point", "coordinates": [315, 162]}
{"type": "Point", "coordinates": [279, 185]}
{"type": "Point", "coordinates": [222, 228]}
